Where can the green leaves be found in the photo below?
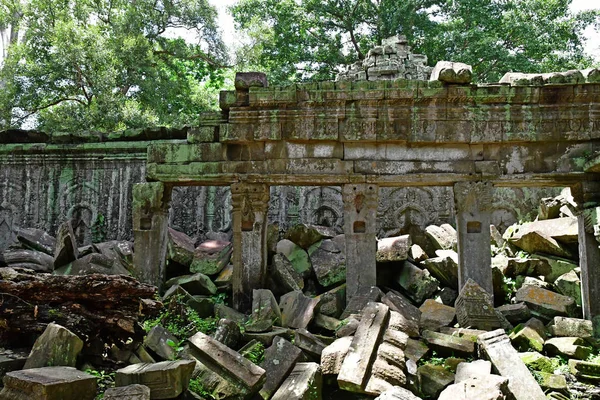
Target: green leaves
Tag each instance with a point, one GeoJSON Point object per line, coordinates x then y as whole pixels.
{"type": "Point", "coordinates": [111, 64]}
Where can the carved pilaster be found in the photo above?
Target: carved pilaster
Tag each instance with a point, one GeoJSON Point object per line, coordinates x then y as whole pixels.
{"type": "Point", "coordinates": [360, 224]}
{"type": "Point", "coordinates": [473, 204]}
{"type": "Point", "coordinates": [250, 203]}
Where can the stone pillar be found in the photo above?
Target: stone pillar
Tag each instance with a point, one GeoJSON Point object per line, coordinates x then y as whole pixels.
{"type": "Point", "coordinates": [360, 221]}
{"type": "Point", "coordinates": [587, 196]}
{"type": "Point", "coordinates": [150, 231]}
{"type": "Point", "coordinates": [250, 203]}
{"type": "Point", "coordinates": [473, 207]}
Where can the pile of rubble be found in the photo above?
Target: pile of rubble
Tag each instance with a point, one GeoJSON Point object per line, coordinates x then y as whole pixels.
{"type": "Point", "coordinates": [413, 336]}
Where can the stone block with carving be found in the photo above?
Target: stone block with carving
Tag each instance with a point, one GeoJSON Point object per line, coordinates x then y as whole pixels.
{"type": "Point", "coordinates": [452, 72]}
{"type": "Point", "coordinates": [166, 380]}
{"type": "Point", "coordinates": [49, 383]}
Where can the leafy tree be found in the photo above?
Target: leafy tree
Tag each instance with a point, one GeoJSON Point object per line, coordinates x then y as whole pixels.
{"type": "Point", "coordinates": [308, 39]}
{"type": "Point", "coordinates": [109, 64]}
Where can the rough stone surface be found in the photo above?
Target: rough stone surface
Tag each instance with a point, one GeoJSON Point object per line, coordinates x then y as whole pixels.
{"type": "Point", "coordinates": [473, 369]}
{"type": "Point", "coordinates": [397, 393]}
{"type": "Point", "coordinates": [328, 262]}
{"type": "Point", "coordinates": [573, 327]}
{"type": "Point", "coordinates": [280, 359]}
{"type": "Point", "coordinates": [57, 346]}
{"type": "Point", "coordinates": [304, 383]}
{"type": "Point", "coordinates": [570, 347]}
{"type": "Point", "coordinates": [180, 248]}
{"type": "Point", "coordinates": [296, 255]}
{"type": "Point", "coordinates": [585, 370]}
{"type": "Point", "coordinates": [448, 345]}
{"type": "Point", "coordinates": [544, 303]}
{"type": "Point", "coordinates": [265, 311]}
{"type": "Point", "coordinates": [569, 285]}
{"type": "Point", "coordinates": [433, 379]}
{"type": "Point", "coordinates": [49, 383]}
{"type": "Point", "coordinates": [334, 354]}
{"type": "Point", "coordinates": [31, 259]}
{"type": "Point", "coordinates": [393, 248]}
{"type": "Point", "coordinates": [418, 284]}
{"type": "Point", "coordinates": [442, 237]}
{"type": "Point", "coordinates": [158, 340]}
{"type": "Point", "coordinates": [166, 380]}
{"type": "Point", "coordinates": [491, 387]}
{"type": "Point", "coordinates": [525, 338]}
{"type": "Point", "coordinates": [444, 267]}
{"type": "Point", "coordinates": [211, 256]}
{"type": "Point", "coordinates": [435, 315]}
{"type": "Point", "coordinates": [515, 313]}
{"type": "Point", "coordinates": [451, 72]}
{"type": "Point", "coordinates": [131, 392]}
{"type": "Point", "coordinates": [285, 276]}
{"type": "Point", "coordinates": [297, 310]}
{"type": "Point", "coordinates": [195, 284]}
{"type": "Point", "coordinates": [66, 245]}
{"type": "Point", "coordinates": [408, 316]}
{"type": "Point", "coordinates": [475, 309]}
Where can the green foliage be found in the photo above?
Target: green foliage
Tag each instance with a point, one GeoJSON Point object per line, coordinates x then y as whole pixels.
{"type": "Point", "coordinates": [109, 64]}
{"type": "Point", "coordinates": [105, 380]}
{"type": "Point", "coordinates": [197, 387]}
{"type": "Point", "coordinates": [257, 355]}
{"type": "Point", "coordinates": [296, 40]}
{"type": "Point", "coordinates": [510, 287]}
{"type": "Point", "coordinates": [560, 364]}
{"type": "Point", "coordinates": [432, 360]}
{"type": "Point", "coordinates": [181, 320]}
{"type": "Point", "coordinates": [99, 229]}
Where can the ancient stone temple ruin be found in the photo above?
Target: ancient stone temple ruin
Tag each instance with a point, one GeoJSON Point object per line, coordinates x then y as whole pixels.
{"type": "Point", "coordinates": [367, 135]}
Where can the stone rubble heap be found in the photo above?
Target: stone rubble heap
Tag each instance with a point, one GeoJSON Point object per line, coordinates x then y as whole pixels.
{"type": "Point", "coordinates": [392, 60]}
{"type": "Point", "coordinates": [415, 336]}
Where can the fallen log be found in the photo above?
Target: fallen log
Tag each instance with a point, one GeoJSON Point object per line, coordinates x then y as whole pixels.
{"type": "Point", "coordinates": [108, 307]}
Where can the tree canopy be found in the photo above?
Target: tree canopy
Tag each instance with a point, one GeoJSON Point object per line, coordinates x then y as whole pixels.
{"type": "Point", "coordinates": [307, 39]}
{"type": "Point", "coordinates": [108, 64]}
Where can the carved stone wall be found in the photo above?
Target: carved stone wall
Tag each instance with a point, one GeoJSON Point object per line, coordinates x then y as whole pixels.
{"type": "Point", "coordinates": [42, 186]}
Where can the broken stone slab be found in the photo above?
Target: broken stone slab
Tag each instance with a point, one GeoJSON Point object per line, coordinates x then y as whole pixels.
{"type": "Point", "coordinates": [297, 310]}
{"type": "Point", "coordinates": [131, 392]}
{"type": "Point", "coordinates": [544, 236]}
{"type": "Point", "coordinates": [265, 311]}
{"type": "Point", "coordinates": [515, 313]}
{"type": "Point", "coordinates": [447, 296]}
{"type": "Point", "coordinates": [360, 300]}
{"type": "Point", "coordinates": [470, 334]}
{"type": "Point", "coordinates": [280, 359]}
{"type": "Point", "coordinates": [550, 382]}
{"type": "Point", "coordinates": [448, 345]}
{"type": "Point", "coordinates": [211, 256]}
{"type": "Point", "coordinates": [397, 393]}
{"type": "Point", "coordinates": [433, 379]}
{"type": "Point", "coordinates": [355, 368]}
{"type": "Point", "coordinates": [570, 347]}
{"type": "Point", "coordinates": [225, 278]}
{"type": "Point", "coordinates": [49, 383]}
{"type": "Point", "coordinates": [334, 354]}
{"type": "Point", "coordinates": [442, 237]}
{"type": "Point", "coordinates": [30, 259]}
{"type": "Point", "coordinates": [120, 251]}
{"type": "Point", "coordinates": [496, 347]}
{"type": "Point", "coordinates": [444, 267]}
{"type": "Point", "coordinates": [475, 309]}
{"type": "Point", "coordinates": [332, 302]}
{"type": "Point", "coordinates": [296, 255]}
{"type": "Point", "coordinates": [473, 369]}
{"type": "Point", "coordinates": [306, 235]}
{"type": "Point", "coordinates": [417, 283]}
{"type": "Point", "coordinates": [558, 266]}
{"type": "Point", "coordinates": [94, 263]}
{"type": "Point", "coordinates": [304, 383]}
{"type": "Point", "coordinates": [415, 350]}
{"type": "Point", "coordinates": [537, 361]}
{"type": "Point", "coordinates": [389, 367]}
{"type": "Point", "coordinates": [328, 262]}
{"type": "Point", "coordinates": [393, 248]}
{"type": "Point", "coordinates": [224, 311]}
{"type": "Point", "coordinates": [203, 305]}
{"type": "Point", "coordinates": [36, 239]}
{"type": "Point", "coordinates": [452, 72]}
{"type": "Point", "coordinates": [11, 361]}
{"type": "Point", "coordinates": [524, 338]}
{"type": "Point", "coordinates": [309, 343]}
{"type": "Point", "coordinates": [527, 267]}
{"type": "Point", "coordinates": [417, 254]}
{"type": "Point", "coordinates": [66, 245]}
{"type": "Point", "coordinates": [522, 281]}
{"type": "Point", "coordinates": [491, 387]}
{"type": "Point", "coordinates": [266, 338]}
{"type": "Point", "coordinates": [571, 327]}
{"type": "Point", "coordinates": [435, 315]}
{"type": "Point", "coordinates": [348, 326]}
{"type": "Point", "coordinates": [227, 362]}
{"type": "Point", "coordinates": [180, 248]}
{"type": "Point", "coordinates": [569, 284]}
{"type": "Point", "coordinates": [585, 369]}
{"type": "Point", "coordinates": [166, 379]}
{"type": "Point", "coordinates": [162, 343]}
{"type": "Point", "coordinates": [227, 332]}
{"type": "Point", "coordinates": [545, 303]}
{"type": "Point", "coordinates": [285, 276]}
{"type": "Point", "coordinates": [196, 284]}
{"type": "Point", "coordinates": [408, 316]}
{"type": "Point", "coordinates": [57, 346]}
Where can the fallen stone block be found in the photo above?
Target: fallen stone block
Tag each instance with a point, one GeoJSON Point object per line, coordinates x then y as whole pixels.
{"type": "Point", "coordinates": [166, 379]}
{"type": "Point", "coordinates": [196, 284]}
{"type": "Point", "coordinates": [585, 370]}
{"type": "Point", "coordinates": [334, 354]}
{"type": "Point", "coordinates": [228, 332]}
{"type": "Point", "coordinates": [442, 237]}
{"type": "Point", "coordinates": [546, 304]}
{"type": "Point", "coordinates": [307, 235]}
{"type": "Point", "coordinates": [285, 276]}
{"type": "Point", "coordinates": [30, 259]}
{"type": "Point", "coordinates": [332, 302]}
{"type": "Point", "coordinates": [444, 267]}
{"type": "Point", "coordinates": [265, 311]}
{"type": "Point", "coordinates": [524, 338]}
{"type": "Point", "coordinates": [550, 382]}
{"type": "Point", "coordinates": [452, 72]}
{"type": "Point", "coordinates": [435, 315]}
{"type": "Point", "coordinates": [94, 263]}
{"type": "Point", "coordinates": [389, 367]}
{"type": "Point", "coordinates": [49, 383]}
{"type": "Point", "coordinates": [433, 379]}
{"type": "Point", "coordinates": [475, 309]}
{"type": "Point", "coordinates": [417, 283]}
{"type": "Point", "coordinates": [544, 236]}
{"type": "Point", "coordinates": [309, 343]}
{"type": "Point", "coordinates": [297, 310]}
{"type": "Point", "coordinates": [296, 255]}
{"type": "Point", "coordinates": [406, 317]}
{"type": "Point", "coordinates": [57, 346]}
{"type": "Point", "coordinates": [347, 326]}
{"type": "Point", "coordinates": [304, 383]}
{"type": "Point", "coordinates": [280, 359]}
{"type": "Point", "coordinates": [36, 239]}
{"type": "Point", "coordinates": [448, 345]}
{"type": "Point", "coordinates": [537, 361]}
{"type": "Point", "coordinates": [569, 285]}
{"type": "Point", "coordinates": [417, 254]}
{"type": "Point", "coordinates": [266, 338]}
{"type": "Point", "coordinates": [131, 392]}
{"type": "Point", "coordinates": [571, 327]}
{"type": "Point", "coordinates": [211, 256]}
{"type": "Point", "coordinates": [491, 387]}
{"type": "Point", "coordinates": [393, 248]}
{"type": "Point", "coordinates": [161, 342]}
{"type": "Point", "coordinates": [328, 262]}
{"type": "Point", "coordinates": [180, 248]}
{"type": "Point", "coordinates": [496, 347]}
{"type": "Point", "coordinates": [515, 313]}
{"type": "Point", "coordinates": [360, 300]}
{"type": "Point", "coordinates": [66, 245]}
{"type": "Point", "coordinates": [326, 323]}
{"type": "Point", "coordinates": [227, 362]}
{"type": "Point", "coordinates": [569, 347]}
{"type": "Point", "coordinates": [11, 361]}
{"type": "Point", "coordinates": [397, 393]}
{"type": "Point", "coordinates": [355, 368]}
{"type": "Point", "coordinates": [473, 369]}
